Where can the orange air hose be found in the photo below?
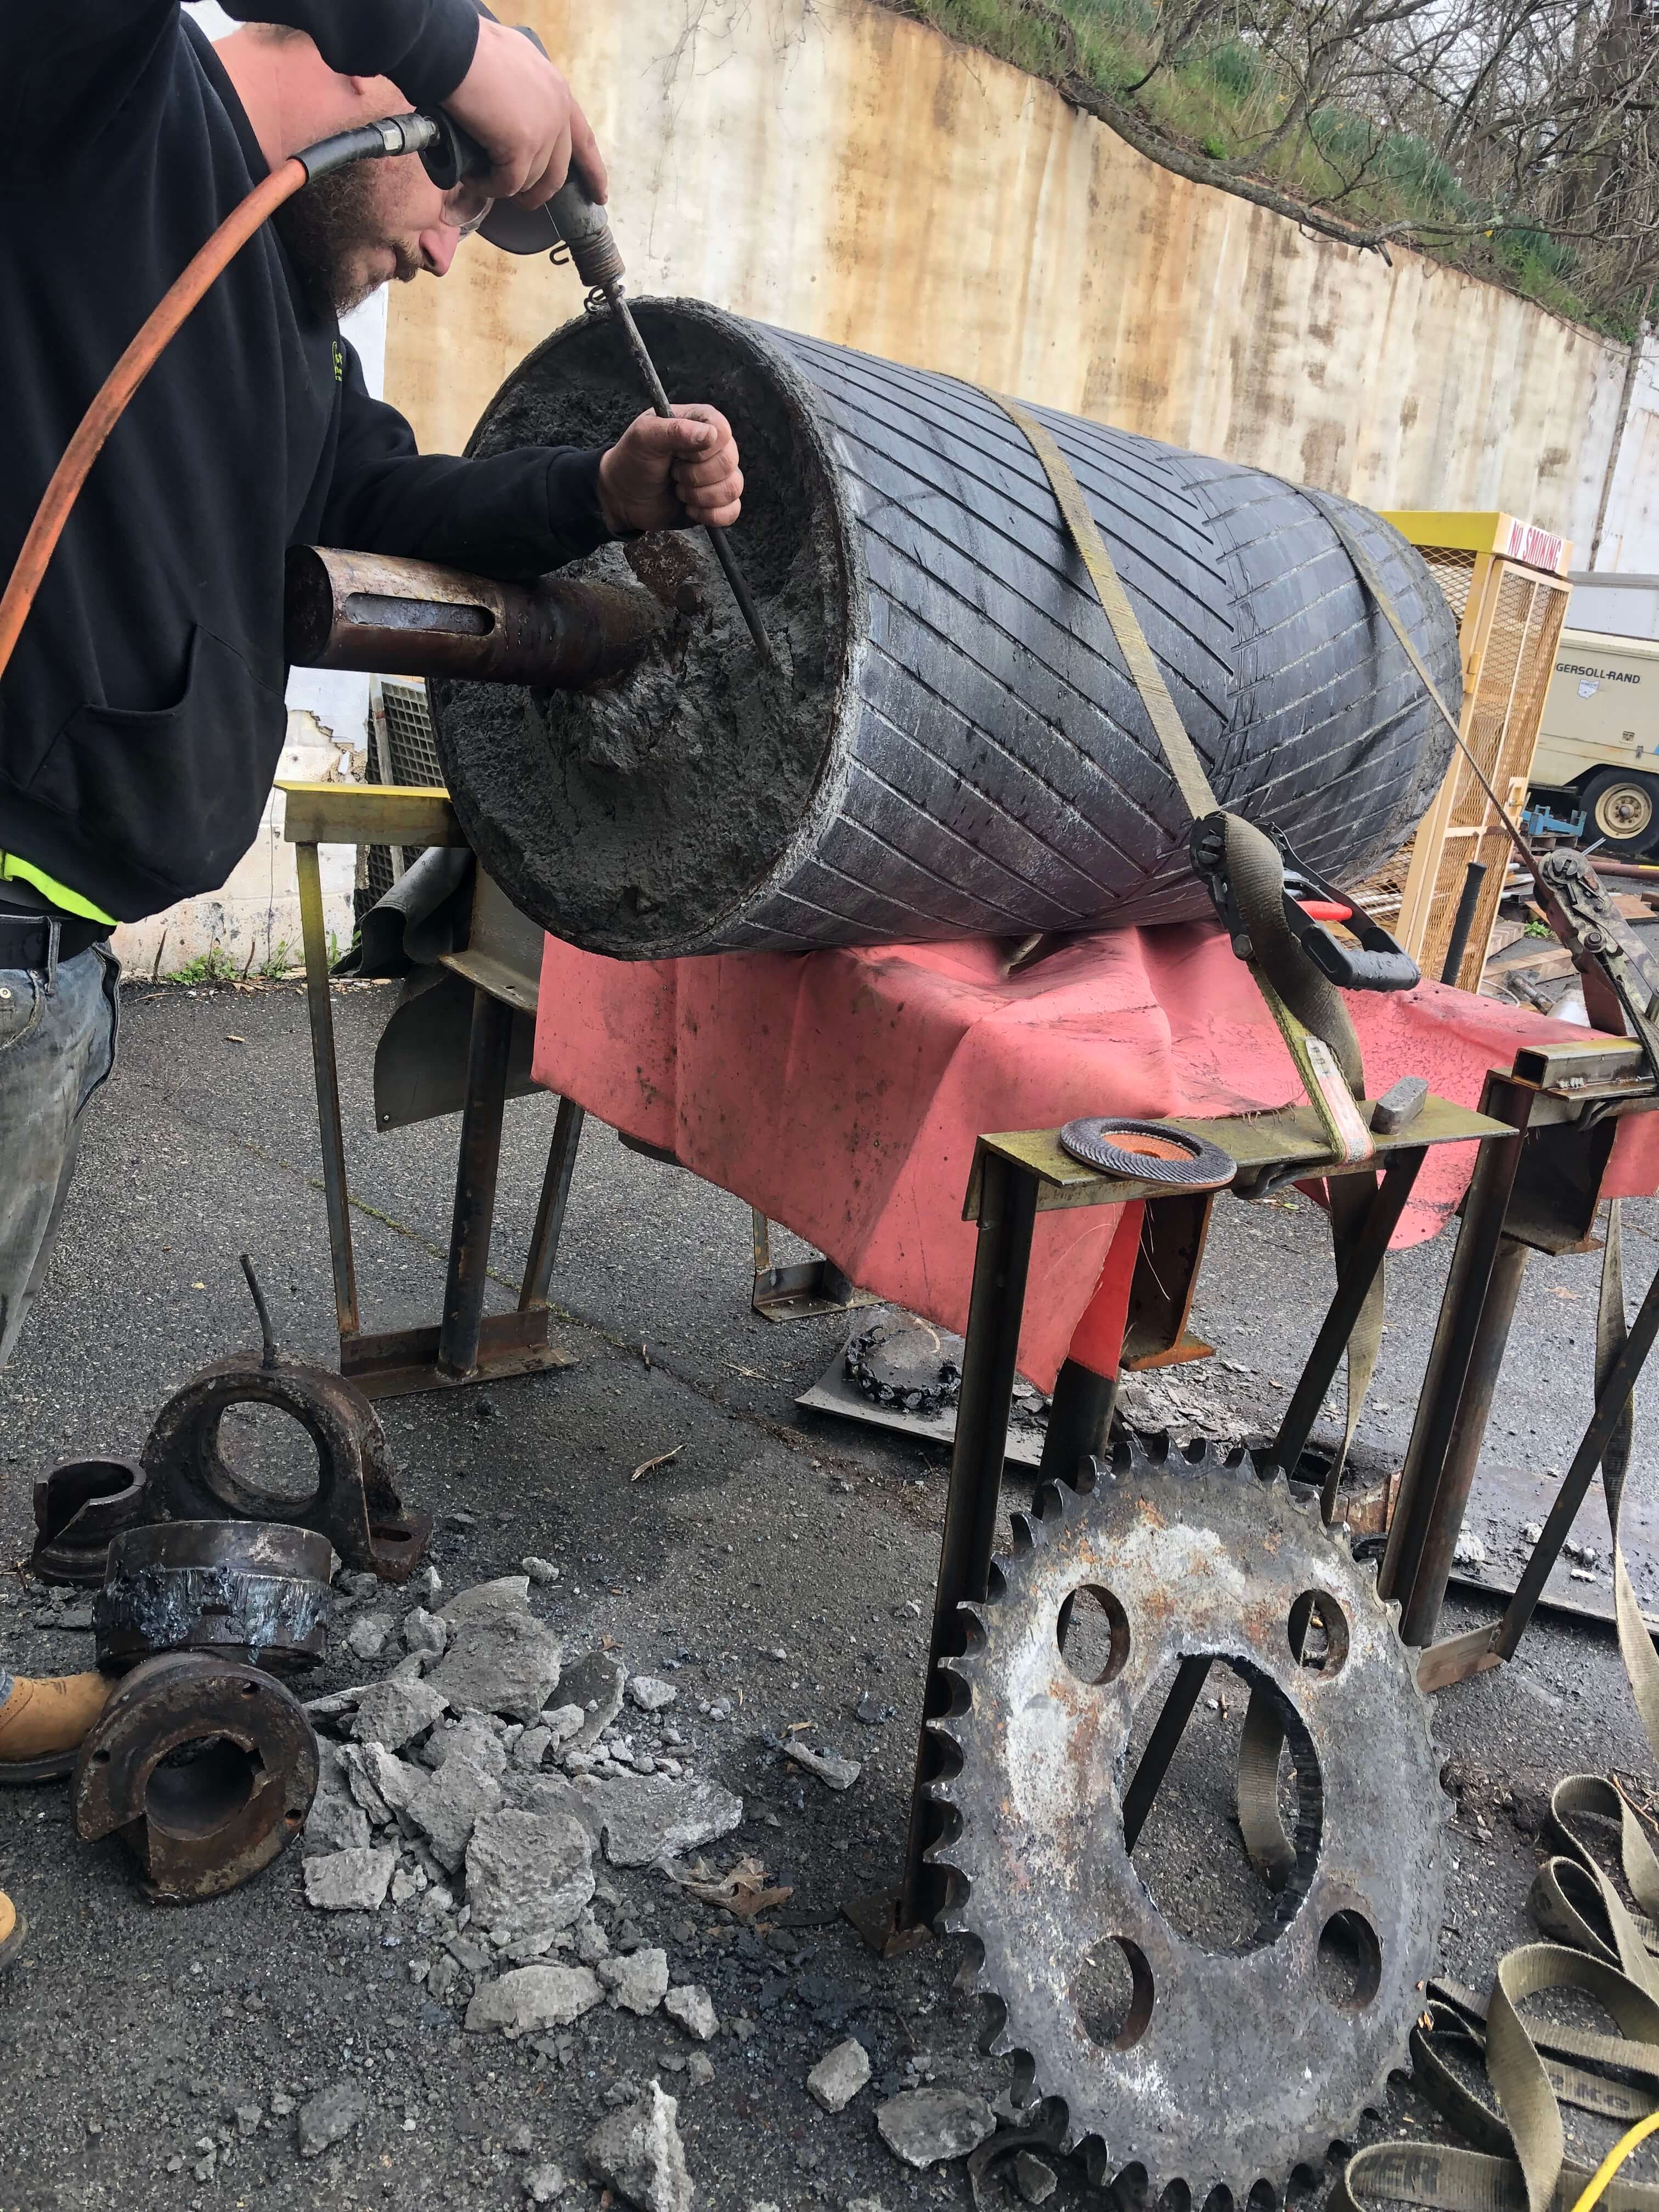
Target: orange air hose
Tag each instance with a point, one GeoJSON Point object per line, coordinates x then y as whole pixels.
{"type": "Point", "coordinates": [119, 386]}
{"type": "Point", "coordinates": [395, 135]}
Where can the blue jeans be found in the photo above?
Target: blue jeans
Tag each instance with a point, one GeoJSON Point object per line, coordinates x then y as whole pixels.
{"type": "Point", "coordinates": [57, 1046]}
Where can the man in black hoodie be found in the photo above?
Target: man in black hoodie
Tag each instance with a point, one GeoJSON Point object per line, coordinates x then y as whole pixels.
{"type": "Point", "coordinates": [141, 715]}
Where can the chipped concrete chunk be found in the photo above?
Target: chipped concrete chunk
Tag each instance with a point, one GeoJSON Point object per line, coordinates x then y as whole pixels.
{"type": "Point", "coordinates": [393, 1780]}
{"type": "Point", "coordinates": [349, 1881]}
{"type": "Point", "coordinates": [925, 2126]}
{"type": "Point", "coordinates": [694, 2008]}
{"type": "Point", "coordinates": [487, 1597]}
{"type": "Point", "coordinates": [834, 1771]}
{"type": "Point", "coordinates": [533, 1998]}
{"type": "Point", "coordinates": [528, 1874]}
{"type": "Point", "coordinates": [473, 1739]}
{"type": "Point", "coordinates": [650, 1695]}
{"type": "Point", "coordinates": [638, 2153]}
{"type": "Point", "coordinates": [595, 1684]}
{"type": "Point", "coordinates": [424, 1635]}
{"type": "Point", "coordinates": [639, 1982]}
{"type": "Point", "coordinates": [1035, 2178]}
{"type": "Point", "coordinates": [447, 1806]}
{"type": "Point", "coordinates": [839, 2075]}
{"type": "Point", "coordinates": [368, 1634]}
{"type": "Point", "coordinates": [394, 1713]}
{"type": "Point", "coordinates": [336, 1821]}
{"type": "Point", "coordinates": [646, 1817]}
{"type": "Point", "coordinates": [499, 1660]}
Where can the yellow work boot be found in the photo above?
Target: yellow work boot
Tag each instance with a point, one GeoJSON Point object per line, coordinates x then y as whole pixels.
{"type": "Point", "coordinates": [13, 1930]}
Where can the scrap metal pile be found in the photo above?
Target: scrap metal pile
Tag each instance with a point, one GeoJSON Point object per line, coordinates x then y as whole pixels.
{"type": "Point", "coordinates": [212, 1594]}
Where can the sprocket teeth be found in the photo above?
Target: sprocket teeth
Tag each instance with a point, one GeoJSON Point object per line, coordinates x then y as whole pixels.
{"type": "Point", "coordinates": [1026, 1532]}
{"type": "Point", "coordinates": [976, 1907]}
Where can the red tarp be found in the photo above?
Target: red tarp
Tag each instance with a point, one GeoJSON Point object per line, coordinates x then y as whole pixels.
{"type": "Point", "coordinates": [842, 1092]}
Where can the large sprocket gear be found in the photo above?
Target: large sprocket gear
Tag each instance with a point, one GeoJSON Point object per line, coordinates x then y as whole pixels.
{"type": "Point", "coordinates": [1230, 2068]}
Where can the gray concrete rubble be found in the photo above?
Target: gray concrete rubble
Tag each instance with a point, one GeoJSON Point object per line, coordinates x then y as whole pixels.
{"type": "Point", "coordinates": [925, 2126]}
{"type": "Point", "coordinates": [531, 1999]}
{"type": "Point", "coordinates": [595, 1683]}
{"type": "Point", "coordinates": [349, 1881]}
{"type": "Point", "coordinates": [512, 1591]}
{"type": "Point", "coordinates": [638, 2153]}
{"type": "Point", "coordinates": [650, 1695]}
{"type": "Point", "coordinates": [834, 1771]}
{"type": "Point", "coordinates": [644, 1819]}
{"type": "Point", "coordinates": [694, 2008]}
{"type": "Point", "coordinates": [447, 1806]}
{"type": "Point", "coordinates": [1035, 2178]}
{"type": "Point", "coordinates": [500, 1660]}
{"type": "Point", "coordinates": [425, 1635]}
{"type": "Point", "coordinates": [839, 2075]}
{"type": "Point", "coordinates": [366, 1635]}
{"type": "Point", "coordinates": [639, 1982]}
{"type": "Point", "coordinates": [474, 1738]}
{"type": "Point", "coordinates": [336, 1821]}
{"type": "Point", "coordinates": [394, 1713]}
{"type": "Point", "coordinates": [527, 1873]}
{"type": "Point", "coordinates": [542, 2183]}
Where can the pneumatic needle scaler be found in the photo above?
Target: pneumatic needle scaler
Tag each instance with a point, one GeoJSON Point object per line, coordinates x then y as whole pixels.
{"type": "Point", "coordinates": [584, 233]}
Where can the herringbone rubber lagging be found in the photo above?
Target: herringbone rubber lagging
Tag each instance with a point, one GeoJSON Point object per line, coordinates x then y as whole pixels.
{"type": "Point", "coordinates": [1002, 773]}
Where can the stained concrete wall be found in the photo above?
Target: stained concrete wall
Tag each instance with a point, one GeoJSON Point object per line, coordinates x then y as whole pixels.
{"type": "Point", "coordinates": [841, 170]}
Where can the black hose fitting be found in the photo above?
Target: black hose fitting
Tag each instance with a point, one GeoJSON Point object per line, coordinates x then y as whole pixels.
{"type": "Point", "coordinates": [394, 134]}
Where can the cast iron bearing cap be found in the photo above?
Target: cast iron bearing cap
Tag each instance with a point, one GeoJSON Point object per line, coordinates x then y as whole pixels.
{"type": "Point", "coordinates": [355, 1504]}
{"type": "Point", "coordinates": [1219, 2069]}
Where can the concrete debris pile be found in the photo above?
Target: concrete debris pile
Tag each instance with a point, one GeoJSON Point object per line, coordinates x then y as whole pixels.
{"type": "Point", "coordinates": [484, 1781]}
{"type": "Point", "coordinates": [479, 1795]}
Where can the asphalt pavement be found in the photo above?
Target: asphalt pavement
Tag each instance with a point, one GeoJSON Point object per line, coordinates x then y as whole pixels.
{"type": "Point", "coordinates": [780, 1560]}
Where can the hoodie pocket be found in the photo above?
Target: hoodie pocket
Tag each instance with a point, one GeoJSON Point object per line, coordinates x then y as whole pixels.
{"type": "Point", "coordinates": [178, 791]}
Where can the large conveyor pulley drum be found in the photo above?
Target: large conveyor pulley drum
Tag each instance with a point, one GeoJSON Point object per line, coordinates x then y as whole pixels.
{"type": "Point", "coordinates": [950, 745]}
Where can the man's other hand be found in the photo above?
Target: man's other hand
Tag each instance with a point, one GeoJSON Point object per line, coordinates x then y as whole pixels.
{"type": "Point", "coordinates": [519, 108]}
{"type": "Point", "coordinates": [667, 473]}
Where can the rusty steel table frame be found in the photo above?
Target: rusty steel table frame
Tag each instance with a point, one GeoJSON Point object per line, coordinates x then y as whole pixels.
{"type": "Point", "coordinates": [1545, 1131]}
{"type": "Point", "coordinates": [467, 1345]}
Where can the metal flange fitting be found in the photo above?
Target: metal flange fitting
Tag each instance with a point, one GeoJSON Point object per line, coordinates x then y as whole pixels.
{"type": "Point", "coordinates": [78, 1507]}
{"type": "Point", "coordinates": [1184, 2068]}
{"type": "Point", "coordinates": [355, 1504]}
{"type": "Point", "coordinates": [206, 1772]}
{"type": "Point", "coordinates": [246, 1590]}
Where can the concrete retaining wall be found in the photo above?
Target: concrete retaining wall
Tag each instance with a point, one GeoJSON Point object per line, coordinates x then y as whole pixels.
{"type": "Point", "coordinates": [847, 172]}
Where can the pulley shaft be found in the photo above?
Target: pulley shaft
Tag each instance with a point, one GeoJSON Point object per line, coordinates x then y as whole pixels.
{"type": "Point", "coordinates": [395, 617]}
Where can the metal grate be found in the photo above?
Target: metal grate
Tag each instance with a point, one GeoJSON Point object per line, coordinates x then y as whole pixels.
{"type": "Point", "coordinates": [408, 725]}
{"type": "Point", "coordinates": [1453, 569]}
{"type": "Point", "coordinates": [400, 751]}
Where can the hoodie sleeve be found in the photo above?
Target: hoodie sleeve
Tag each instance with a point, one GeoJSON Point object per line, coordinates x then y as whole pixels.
{"type": "Point", "coordinates": [76, 65]}
{"type": "Point", "coordinates": [514, 515]}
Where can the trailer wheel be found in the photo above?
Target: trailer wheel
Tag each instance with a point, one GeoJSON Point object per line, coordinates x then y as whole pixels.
{"type": "Point", "coordinates": [1624, 811]}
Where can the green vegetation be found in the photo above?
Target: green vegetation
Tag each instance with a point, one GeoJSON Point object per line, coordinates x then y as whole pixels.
{"type": "Point", "coordinates": [213, 966]}
{"type": "Point", "coordinates": [1216, 93]}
